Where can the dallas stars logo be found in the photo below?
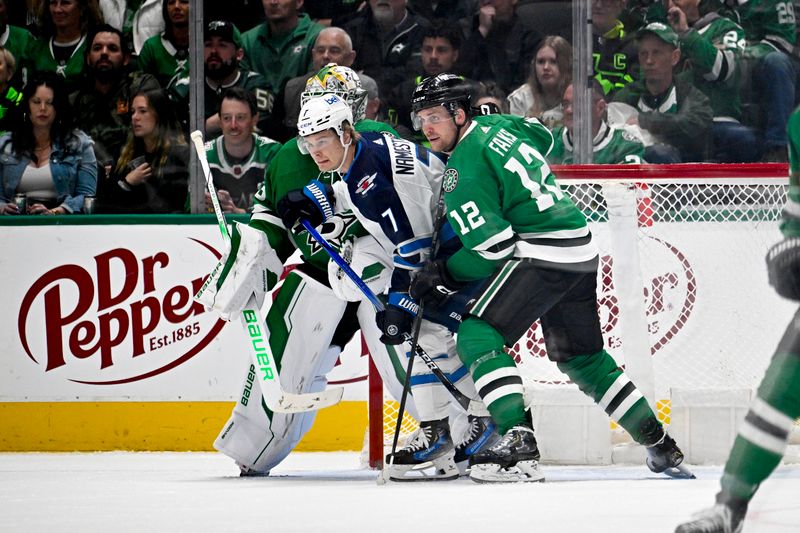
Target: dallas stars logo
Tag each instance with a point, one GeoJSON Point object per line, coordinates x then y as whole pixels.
{"type": "Point", "coordinates": [335, 230]}
{"type": "Point", "coordinates": [449, 180]}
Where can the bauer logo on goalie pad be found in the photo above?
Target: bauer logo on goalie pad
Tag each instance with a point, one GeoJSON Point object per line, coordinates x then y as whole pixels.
{"type": "Point", "coordinates": [449, 180]}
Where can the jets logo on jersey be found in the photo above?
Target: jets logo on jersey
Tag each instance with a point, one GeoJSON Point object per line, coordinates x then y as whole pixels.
{"type": "Point", "coordinates": [366, 183]}
{"type": "Point", "coordinates": [450, 180]}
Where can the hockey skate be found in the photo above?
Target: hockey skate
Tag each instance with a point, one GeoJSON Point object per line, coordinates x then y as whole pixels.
{"type": "Point", "coordinates": [718, 519]}
{"type": "Point", "coordinates": [513, 458]}
{"type": "Point", "coordinates": [665, 457]}
{"type": "Point", "coordinates": [481, 434]}
{"type": "Point", "coordinates": [428, 456]}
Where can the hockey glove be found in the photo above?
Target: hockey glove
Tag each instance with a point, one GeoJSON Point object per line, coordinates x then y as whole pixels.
{"type": "Point", "coordinates": [397, 319]}
{"type": "Point", "coordinates": [783, 268]}
{"type": "Point", "coordinates": [251, 266]}
{"type": "Point", "coordinates": [434, 285]}
{"type": "Point", "coordinates": [314, 203]}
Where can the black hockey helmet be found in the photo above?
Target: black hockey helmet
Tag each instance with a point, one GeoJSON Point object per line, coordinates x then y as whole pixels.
{"type": "Point", "coordinates": [444, 89]}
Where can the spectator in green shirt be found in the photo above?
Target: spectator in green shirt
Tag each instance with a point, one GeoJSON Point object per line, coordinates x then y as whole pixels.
{"type": "Point", "coordinates": [62, 46]}
{"type": "Point", "coordinates": [280, 49]}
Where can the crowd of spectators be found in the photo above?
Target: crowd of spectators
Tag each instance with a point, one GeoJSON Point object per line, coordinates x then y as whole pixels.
{"type": "Point", "coordinates": [106, 83]}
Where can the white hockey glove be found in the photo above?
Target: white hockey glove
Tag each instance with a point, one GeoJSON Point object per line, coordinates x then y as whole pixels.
{"type": "Point", "coordinates": [369, 260]}
{"type": "Point", "coordinates": [251, 266]}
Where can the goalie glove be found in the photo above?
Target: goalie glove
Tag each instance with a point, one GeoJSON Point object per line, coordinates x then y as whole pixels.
{"type": "Point", "coordinates": [251, 266]}
{"type": "Point", "coordinates": [396, 321]}
{"type": "Point", "coordinates": [783, 268]}
{"type": "Point", "coordinates": [314, 203]}
{"type": "Point", "coordinates": [368, 259]}
{"type": "Point", "coordinates": [434, 285]}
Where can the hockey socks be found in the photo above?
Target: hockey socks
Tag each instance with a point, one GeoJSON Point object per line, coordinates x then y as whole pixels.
{"type": "Point", "coordinates": [494, 372]}
{"type": "Point", "coordinates": [598, 376]}
{"type": "Point", "coordinates": [763, 435]}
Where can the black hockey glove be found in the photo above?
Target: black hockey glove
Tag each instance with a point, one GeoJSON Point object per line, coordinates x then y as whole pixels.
{"type": "Point", "coordinates": [396, 321]}
{"type": "Point", "coordinates": [314, 203]}
{"type": "Point", "coordinates": [434, 285]}
{"type": "Point", "coordinates": [783, 268]}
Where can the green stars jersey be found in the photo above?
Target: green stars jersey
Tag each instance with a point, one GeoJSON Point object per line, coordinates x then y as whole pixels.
{"type": "Point", "coordinates": [610, 146]}
{"type": "Point", "coordinates": [161, 59]}
{"type": "Point", "coordinates": [503, 201]}
{"type": "Point", "coordinates": [768, 25]}
{"type": "Point", "coordinates": [791, 216]}
{"type": "Point", "coordinates": [248, 80]}
{"type": "Point", "coordinates": [241, 178]}
{"type": "Point", "coordinates": [19, 42]}
{"type": "Point", "coordinates": [43, 57]}
{"type": "Point", "coordinates": [280, 58]}
{"type": "Point", "coordinates": [711, 52]}
{"type": "Point", "coordinates": [289, 170]}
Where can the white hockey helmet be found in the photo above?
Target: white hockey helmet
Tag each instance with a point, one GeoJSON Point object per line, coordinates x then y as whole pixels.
{"type": "Point", "coordinates": [340, 80]}
{"type": "Point", "coordinates": [322, 113]}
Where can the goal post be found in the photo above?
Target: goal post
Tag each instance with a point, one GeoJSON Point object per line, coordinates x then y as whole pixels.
{"type": "Point", "coordinates": [682, 289]}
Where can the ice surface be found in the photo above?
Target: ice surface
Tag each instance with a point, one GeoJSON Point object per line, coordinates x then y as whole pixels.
{"type": "Point", "coordinates": [321, 492]}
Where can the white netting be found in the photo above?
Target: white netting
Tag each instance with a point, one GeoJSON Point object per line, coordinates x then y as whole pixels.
{"type": "Point", "coordinates": [712, 320]}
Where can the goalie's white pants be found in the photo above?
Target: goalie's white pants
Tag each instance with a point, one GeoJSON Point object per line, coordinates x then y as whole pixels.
{"type": "Point", "coordinates": [300, 339]}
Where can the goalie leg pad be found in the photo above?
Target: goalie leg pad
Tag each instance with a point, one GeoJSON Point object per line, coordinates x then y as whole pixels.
{"type": "Point", "coordinates": [251, 266]}
{"type": "Point", "coordinates": [300, 336]}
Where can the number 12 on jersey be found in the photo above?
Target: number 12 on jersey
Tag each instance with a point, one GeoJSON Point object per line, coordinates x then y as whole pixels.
{"type": "Point", "coordinates": [545, 194]}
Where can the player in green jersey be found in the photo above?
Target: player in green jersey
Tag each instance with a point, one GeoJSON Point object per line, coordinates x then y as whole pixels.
{"type": "Point", "coordinates": [532, 247]}
{"type": "Point", "coordinates": [764, 433]}
{"type": "Point", "coordinates": [316, 310]}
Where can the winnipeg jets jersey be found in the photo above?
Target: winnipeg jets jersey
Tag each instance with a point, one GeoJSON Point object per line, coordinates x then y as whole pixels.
{"type": "Point", "coordinates": [393, 187]}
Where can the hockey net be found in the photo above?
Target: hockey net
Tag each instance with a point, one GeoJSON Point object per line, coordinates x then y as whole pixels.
{"type": "Point", "coordinates": [691, 240]}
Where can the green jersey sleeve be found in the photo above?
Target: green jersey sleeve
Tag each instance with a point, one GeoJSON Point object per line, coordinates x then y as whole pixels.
{"type": "Point", "coordinates": [790, 226]}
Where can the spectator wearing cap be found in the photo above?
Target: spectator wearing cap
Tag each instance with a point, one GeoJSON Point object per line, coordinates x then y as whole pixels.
{"type": "Point", "coordinates": [500, 46]}
{"type": "Point", "coordinates": [711, 49]}
{"type": "Point", "coordinates": [102, 104]}
{"type": "Point", "coordinates": [167, 55]}
{"type": "Point", "coordinates": [672, 109]}
{"type": "Point", "coordinates": [280, 48]}
{"type": "Point", "coordinates": [222, 55]}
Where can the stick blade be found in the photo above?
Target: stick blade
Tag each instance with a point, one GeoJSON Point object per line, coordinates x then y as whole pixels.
{"type": "Point", "coordinates": [299, 403]}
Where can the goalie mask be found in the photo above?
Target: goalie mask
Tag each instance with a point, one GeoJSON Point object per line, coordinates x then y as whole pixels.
{"type": "Point", "coordinates": [341, 81]}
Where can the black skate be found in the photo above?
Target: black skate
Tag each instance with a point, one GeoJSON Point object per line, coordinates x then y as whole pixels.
{"type": "Point", "coordinates": [513, 458]}
{"type": "Point", "coordinates": [481, 434]}
{"type": "Point", "coordinates": [430, 447]}
{"type": "Point", "coordinates": [718, 519]}
{"type": "Point", "coordinates": [665, 457]}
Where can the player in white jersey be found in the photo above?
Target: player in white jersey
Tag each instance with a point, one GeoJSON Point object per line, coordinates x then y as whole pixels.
{"type": "Point", "coordinates": [392, 186]}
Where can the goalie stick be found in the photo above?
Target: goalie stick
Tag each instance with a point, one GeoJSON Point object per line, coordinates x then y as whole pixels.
{"type": "Point", "coordinates": [253, 323]}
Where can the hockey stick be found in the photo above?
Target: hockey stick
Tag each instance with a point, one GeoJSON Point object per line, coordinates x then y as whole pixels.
{"type": "Point", "coordinates": [460, 397]}
{"type": "Point", "coordinates": [253, 323]}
